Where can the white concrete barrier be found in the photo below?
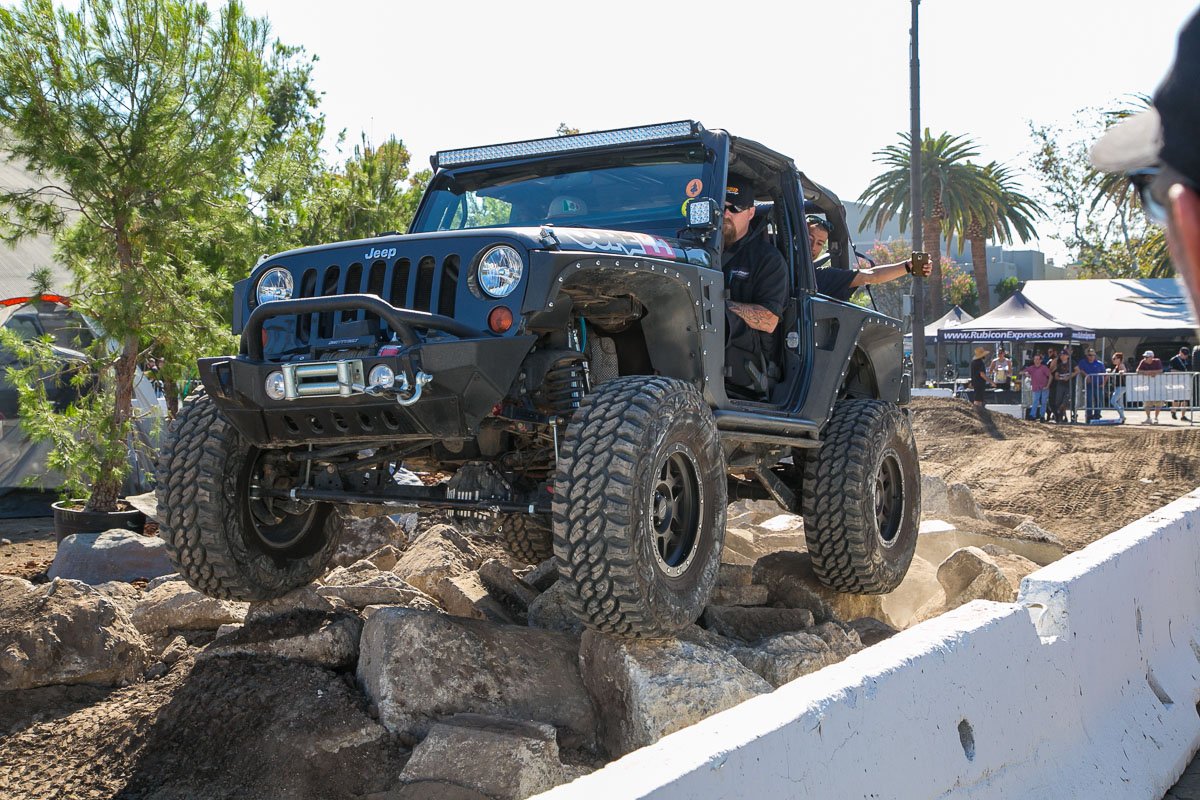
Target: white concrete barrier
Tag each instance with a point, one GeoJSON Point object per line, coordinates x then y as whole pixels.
{"type": "Point", "coordinates": [1088, 686]}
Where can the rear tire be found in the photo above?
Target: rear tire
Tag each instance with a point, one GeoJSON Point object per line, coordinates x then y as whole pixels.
{"type": "Point", "coordinates": [526, 537]}
{"type": "Point", "coordinates": [639, 507]}
{"type": "Point", "coordinates": [862, 498]}
{"type": "Point", "coordinates": [217, 543]}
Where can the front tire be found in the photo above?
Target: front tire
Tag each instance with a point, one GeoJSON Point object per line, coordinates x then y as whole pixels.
{"type": "Point", "coordinates": [222, 542]}
{"type": "Point", "coordinates": [639, 507]}
{"type": "Point", "coordinates": [862, 498]}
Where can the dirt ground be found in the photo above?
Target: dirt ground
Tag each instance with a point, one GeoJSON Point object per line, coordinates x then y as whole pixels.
{"type": "Point", "coordinates": [227, 727]}
{"type": "Point", "coordinates": [1076, 481]}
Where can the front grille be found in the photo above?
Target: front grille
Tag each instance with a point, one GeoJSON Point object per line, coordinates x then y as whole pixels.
{"type": "Point", "coordinates": [423, 284]}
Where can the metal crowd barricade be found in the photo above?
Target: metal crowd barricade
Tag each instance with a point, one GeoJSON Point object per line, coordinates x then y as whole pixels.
{"type": "Point", "coordinates": [1107, 397]}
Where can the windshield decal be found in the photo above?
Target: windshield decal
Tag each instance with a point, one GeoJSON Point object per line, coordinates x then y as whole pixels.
{"type": "Point", "coordinates": [624, 242]}
{"type": "Point", "coordinates": [695, 187]}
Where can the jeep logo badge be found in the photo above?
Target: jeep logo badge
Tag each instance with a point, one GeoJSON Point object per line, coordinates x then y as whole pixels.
{"type": "Point", "coordinates": [378, 253]}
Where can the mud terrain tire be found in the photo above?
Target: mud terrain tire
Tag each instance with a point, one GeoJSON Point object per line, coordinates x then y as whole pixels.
{"type": "Point", "coordinates": [862, 498]}
{"type": "Point", "coordinates": [639, 507]}
{"type": "Point", "coordinates": [205, 517]}
{"type": "Point", "coordinates": [527, 538]}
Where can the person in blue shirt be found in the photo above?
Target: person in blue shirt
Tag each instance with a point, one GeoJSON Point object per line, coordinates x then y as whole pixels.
{"type": "Point", "coordinates": [1093, 368]}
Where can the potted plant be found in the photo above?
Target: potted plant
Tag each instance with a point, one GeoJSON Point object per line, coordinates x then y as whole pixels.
{"type": "Point", "coordinates": [133, 119]}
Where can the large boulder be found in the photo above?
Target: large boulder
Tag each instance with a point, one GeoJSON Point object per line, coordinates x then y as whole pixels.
{"type": "Point", "coordinates": [500, 758]}
{"type": "Point", "coordinates": [792, 582]}
{"type": "Point", "coordinates": [550, 610]}
{"type": "Point", "coordinates": [176, 606]}
{"type": "Point", "coordinates": [362, 537]}
{"type": "Point", "coordinates": [368, 588]}
{"type": "Point", "coordinates": [967, 574]}
{"type": "Point", "coordinates": [783, 658]}
{"type": "Point", "coordinates": [971, 574]}
{"type": "Point", "coordinates": [645, 689]}
{"type": "Point", "coordinates": [303, 599]}
{"type": "Point", "coordinates": [65, 632]}
{"type": "Point", "coordinates": [325, 639]}
{"type": "Point", "coordinates": [872, 631]}
{"type": "Point", "coordinates": [935, 497]}
{"type": "Point", "coordinates": [115, 555]}
{"type": "Point", "coordinates": [503, 584]}
{"type": "Point", "coordinates": [419, 668]}
{"type": "Point", "coordinates": [466, 596]}
{"type": "Point", "coordinates": [962, 502]}
{"type": "Point", "coordinates": [435, 553]}
{"type": "Point", "coordinates": [753, 624]}
{"type": "Point", "coordinates": [1033, 532]}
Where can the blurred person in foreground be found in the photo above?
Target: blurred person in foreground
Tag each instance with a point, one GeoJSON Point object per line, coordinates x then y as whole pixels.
{"type": "Point", "coordinates": [1159, 151]}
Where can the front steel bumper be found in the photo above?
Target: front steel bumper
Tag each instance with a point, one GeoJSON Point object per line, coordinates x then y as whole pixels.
{"type": "Point", "coordinates": [471, 373]}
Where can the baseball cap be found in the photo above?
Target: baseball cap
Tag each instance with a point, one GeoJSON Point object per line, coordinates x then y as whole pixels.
{"type": "Point", "coordinates": [1148, 354]}
{"type": "Point", "coordinates": [739, 191]}
{"type": "Point", "coordinates": [1166, 133]}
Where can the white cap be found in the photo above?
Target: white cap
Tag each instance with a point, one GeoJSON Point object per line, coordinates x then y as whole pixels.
{"type": "Point", "coordinates": [1148, 354]}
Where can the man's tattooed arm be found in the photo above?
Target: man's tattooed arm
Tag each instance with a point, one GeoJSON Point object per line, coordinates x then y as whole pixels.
{"type": "Point", "coordinates": [755, 316]}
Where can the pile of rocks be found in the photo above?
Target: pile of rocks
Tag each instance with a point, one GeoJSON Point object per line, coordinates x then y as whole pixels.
{"type": "Point", "coordinates": [470, 658]}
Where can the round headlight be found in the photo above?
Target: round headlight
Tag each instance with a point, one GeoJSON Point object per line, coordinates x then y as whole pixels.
{"type": "Point", "coordinates": [500, 271]}
{"type": "Point", "coordinates": [275, 284]}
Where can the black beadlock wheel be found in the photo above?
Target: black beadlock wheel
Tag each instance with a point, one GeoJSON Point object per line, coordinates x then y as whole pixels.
{"type": "Point", "coordinates": [222, 542]}
{"type": "Point", "coordinates": [528, 538]}
{"type": "Point", "coordinates": [639, 507]}
{"type": "Point", "coordinates": [862, 498]}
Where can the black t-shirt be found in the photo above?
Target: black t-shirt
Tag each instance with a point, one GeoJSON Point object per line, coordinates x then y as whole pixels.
{"type": "Point", "coordinates": [977, 370]}
{"type": "Point", "coordinates": [834, 282]}
{"type": "Point", "coordinates": [1179, 364]}
{"type": "Point", "coordinates": [755, 272]}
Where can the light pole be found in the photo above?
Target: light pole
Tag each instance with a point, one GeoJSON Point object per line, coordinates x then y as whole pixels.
{"type": "Point", "coordinates": [917, 216]}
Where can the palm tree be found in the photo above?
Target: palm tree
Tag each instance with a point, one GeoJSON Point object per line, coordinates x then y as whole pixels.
{"type": "Point", "coordinates": [947, 184]}
{"type": "Point", "coordinates": [1148, 253]}
{"type": "Point", "coordinates": [997, 212]}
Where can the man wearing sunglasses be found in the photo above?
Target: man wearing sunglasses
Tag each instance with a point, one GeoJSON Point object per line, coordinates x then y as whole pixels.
{"type": "Point", "coordinates": [1159, 150]}
{"type": "Point", "coordinates": [756, 289]}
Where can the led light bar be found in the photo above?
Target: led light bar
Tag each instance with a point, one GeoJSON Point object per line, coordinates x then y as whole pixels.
{"type": "Point", "coordinates": [565, 144]}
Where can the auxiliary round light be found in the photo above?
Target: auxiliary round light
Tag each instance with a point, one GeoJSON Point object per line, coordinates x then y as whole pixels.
{"type": "Point", "coordinates": [275, 284]}
{"type": "Point", "coordinates": [274, 386]}
{"type": "Point", "coordinates": [382, 375]}
{"type": "Point", "coordinates": [500, 271]}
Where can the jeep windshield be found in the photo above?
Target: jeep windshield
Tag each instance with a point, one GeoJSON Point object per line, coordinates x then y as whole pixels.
{"type": "Point", "coordinates": [642, 191]}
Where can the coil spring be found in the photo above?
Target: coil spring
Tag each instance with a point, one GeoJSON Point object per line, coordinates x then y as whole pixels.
{"type": "Point", "coordinates": [565, 386]}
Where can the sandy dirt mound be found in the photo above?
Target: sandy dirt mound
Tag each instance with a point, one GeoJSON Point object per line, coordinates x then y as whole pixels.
{"type": "Point", "coordinates": [1077, 482]}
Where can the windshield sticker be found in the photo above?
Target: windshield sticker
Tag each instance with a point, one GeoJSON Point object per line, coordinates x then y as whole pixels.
{"type": "Point", "coordinates": [695, 187]}
{"type": "Point", "coordinates": [623, 242]}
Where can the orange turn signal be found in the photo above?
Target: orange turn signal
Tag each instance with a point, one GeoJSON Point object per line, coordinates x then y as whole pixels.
{"type": "Point", "coordinates": [500, 319]}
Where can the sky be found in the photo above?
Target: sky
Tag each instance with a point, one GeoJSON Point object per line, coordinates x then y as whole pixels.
{"type": "Point", "coordinates": [825, 83]}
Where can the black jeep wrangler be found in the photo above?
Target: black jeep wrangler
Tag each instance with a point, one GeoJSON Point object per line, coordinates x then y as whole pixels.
{"type": "Point", "coordinates": [545, 349]}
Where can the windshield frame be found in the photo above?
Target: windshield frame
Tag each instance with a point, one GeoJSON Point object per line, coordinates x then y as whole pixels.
{"type": "Point", "coordinates": [584, 161]}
